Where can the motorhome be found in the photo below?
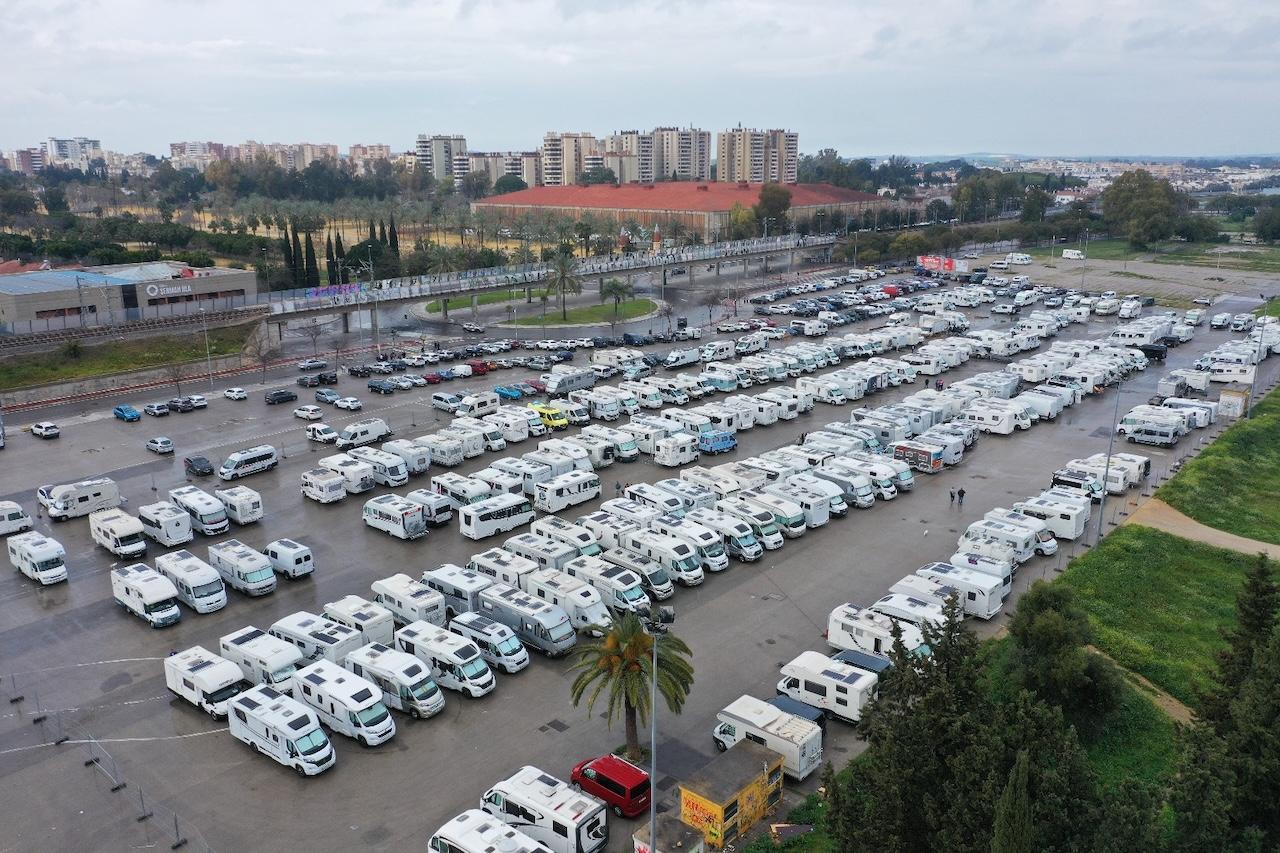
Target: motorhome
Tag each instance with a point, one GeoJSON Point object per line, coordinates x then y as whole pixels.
{"type": "Point", "coordinates": [416, 459]}
{"type": "Point", "coordinates": [619, 588]}
{"type": "Point", "coordinates": [497, 643]}
{"type": "Point", "coordinates": [242, 568]}
{"type": "Point", "coordinates": [459, 490]}
{"type": "Point", "coordinates": [578, 599]}
{"type": "Point", "coordinates": [473, 442]}
{"type": "Point", "coordinates": [566, 490]}
{"type": "Point", "coordinates": [1064, 521]}
{"type": "Point", "coordinates": [557, 463]}
{"type": "Point", "coordinates": [316, 637]}
{"type": "Point", "coordinates": [994, 419]}
{"type": "Point", "coordinates": [282, 728]}
{"type": "Point", "coordinates": [978, 593]}
{"type": "Point", "coordinates": [624, 443]}
{"type": "Point", "coordinates": [637, 513]}
{"type": "Point", "coordinates": [579, 457]}
{"type": "Point", "coordinates": [145, 593]}
{"type": "Point", "coordinates": [289, 558]}
{"type": "Point", "coordinates": [478, 404]}
{"type": "Point", "coordinates": [500, 482]}
{"type": "Point", "coordinates": [13, 518]}
{"type": "Point", "coordinates": [583, 539]}
{"type": "Point", "coordinates": [798, 741]}
{"type": "Point", "coordinates": [676, 450]}
{"type": "Point", "coordinates": [437, 510]}
{"type": "Point", "coordinates": [494, 515]}
{"type": "Point", "coordinates": [362, 432]}
{"type": "Point", "coordinates": [548, 810]}
{"type": "Point", "coordinates": [198, 584]}
{"type": "Point", "coordinates": [823, 391]}
{"type": "Point", "coordinates": [251, 460]}
{"type": "Point", "coordinates": [445, 450]}
{"type": "Point", "coordinates": [460, 587]}
{"type": "Point", "coordinates": [564, 378]}
{"type": "Point", "coordinates": [604, 527]}
{"type": "Point", "coordinates": [243, 504]}
{"type": "Point", "coordinates": [457, 662]}
{"type": "Point", "coordinates": [530, 472]}
{"type": "Point", "coordinates": [409, 600]}
{"type": "Point", "coordinates": [405, 681]}
{"type": "Point", "coordinates": [1081, 480]}
{"type": "Point", "coordinates": [546, 553]}
{"type": "Point", "coordinates": [707, 545]}
{"type": "Point", "coordinates": [1201, 412]}
{"type": "Point", "coordinates": [474, 831]}
{"type": "Point", "coordinates": [396, 516]}
{"type": "Point", "coordinates": [37, 556]}
{"type": "Point", "coordinates": [950, 445]}
{"type": "Point", "coordinates": [262, 657]}
{"type": "Point", "coordinates": [204, 679]}
{"type": "Point", "coordinates": [374, 622]}
{"type": "Point", "coordinates": [603, 406]}
{"type": "Point", "coordinates": [837, 689]}
{"type": "Point", "coordinates": [1021, 539]}
{"type": "Point", "coordinates": [207, 513]}
{"type": "Point", "coordinates": [659, 499]}
{"type": "Point", "coordinates": [850, 486]}
{"type": "Point", "coordinates": [531, 418]}
{"type": "Point", "coordinates": [883, 479]}
{"type": "Point", "coordinates": [654, 578]}
{"type": "Point", "coordinates": [345, 702]}
{"type": "Point", "coordinates": [1112, 478]}
{"type": "Point", "coordinates": [323, 486]}
{"type": "Point", "coordinates": [513, 428]}
{"type": "Point", "coordinates": [502, 565]}
{"type": "Point", "coordinates": [718, 481]}
{"type": "Point", "coordinates": [357, 475]}
{"type": "Point", "coordinates": [910, 609]}
{"type": "Point", "coordinates": [599, 452]}
{"type": "Point", "coordinates": [853, 627]}
{"type": "Point", "coordinates": [628, 404]}
{"type": "Point", "coordinates": [118, 532]}
{"type": "Point", "coordinates": [737, 536]}
{"type": "Point", "coordinates": [389, 469]}
{"type": "Point", "coordinates": [761, 521]}
{"type": "Point", "coordinates": [166, 523]}
{"type": "Point", "coordinates": [921, 456]}
{"type": "Point", "coordinates": [1136, 468]}
{"type": "Point", "coordinates": [539, 624]}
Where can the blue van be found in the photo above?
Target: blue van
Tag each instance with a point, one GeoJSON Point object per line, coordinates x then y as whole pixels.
{"type": "Point", "coordinates": [716, 441]}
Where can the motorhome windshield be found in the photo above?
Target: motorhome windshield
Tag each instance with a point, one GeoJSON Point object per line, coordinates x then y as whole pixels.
{"type": "Point", "coordinates": [131, 539]}
{"type": "Point", "coordinates": [883, 483]}
{"type": "Point", "coordinates": [634, 594]}
{"type": "Point", "coordinates": [214, 517]}
{"type": "Point", "coordinates": [509, 646]}
{"type": "Point", "coordinates": [160, 606]}
{"type": "Point", "coordinates": [746, 540]}
{"type": "Point", "coordinates": [657, 575]}
{"type": "Point", "coordinates": [51, 563]}
{"type": "Point", "coordinates": [560, 633]}
{"type": "Point", "coordinates": [424, 689]}
{"type": "Point", "coordinates": [207, 589]}
{"type": "Point", "coordinates": [283, 674]}
{"type": "Point", "coordinates": [371, 716]}
{"type": "Point", "coordinates": [1044, 536]}
{"type": "Point", "coordinates": [905, 477]}
{"type": "Point", "coordinates": [590, 550]}
{"type": "Point", "coordinates": [688, 564]}
{"type": "Point", "coordinates": [628, 444]}
{"type": "Point", "coordinates": [312, 742]}
{"type": "Point", "coordinates": [227, 692]}
{"type": "Point", "coordinates": [794, 520]}
{"type": "Point", "coordinates": [474, 668]}
{"type": "Point", "coordinates": [256, 576]}
{"type": "Point", "coordinates": [715, 549]}
{"type": "Point", "coordinates": [768, 529]}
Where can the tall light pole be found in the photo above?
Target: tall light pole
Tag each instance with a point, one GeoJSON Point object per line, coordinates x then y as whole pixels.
{"type": "Point", "coordinates": [656, 626]}
{"type": "Point", "coordinates": [1106, 471]}
{"type": "Point", "coordinates": [208, 359]}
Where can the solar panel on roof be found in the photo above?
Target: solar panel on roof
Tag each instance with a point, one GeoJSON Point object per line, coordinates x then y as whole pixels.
{"type": "Point", "coordinates": [481, 622]}
{"type": "Point", "coordinates": [315, 678]}
{"type": "Point", "coordinates": [467, 652]}
{"type": "Point", "coordinates": [362, 694]}
{"type": "Point", "coordinates": [247, 702]}
{"type": "Point", "coordinates": [299, 724]}
{"type": "Point", "coordinates": [201, 664]}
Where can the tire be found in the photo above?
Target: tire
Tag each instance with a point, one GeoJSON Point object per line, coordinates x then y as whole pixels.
{"type": "Point", "coordinates": [617, 810]}
{"type": "Point", "coordinates": [253, 746]}
{"type": "Point", "coordinates": [415, 713]}
{"type": "Point", "coordinates": [720, 747]}
{"type": "Point", "coordinates": [361, 740]}
{"type": "Point", "coordinates": [298, 769]}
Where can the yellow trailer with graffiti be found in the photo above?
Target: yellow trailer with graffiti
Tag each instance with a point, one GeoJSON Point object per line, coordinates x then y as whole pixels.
{"type": "Point", "coordinates": [734, 791]}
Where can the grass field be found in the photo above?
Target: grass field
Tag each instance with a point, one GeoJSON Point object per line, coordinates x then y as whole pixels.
{"type": "Point", "coordinates": [463, 303]}
{"type": "Point", "coordinates": [1158, 604]}
{"type": "Point", "coordinates": [1135, 743]}
{"type": "Point", "coordinates": [1243, 258]}
{"type": "Point", "coordinates": [628, 310]}
{"type": "Point", "coordinates": [1102, 250]}
{"type": "Point", "coordinates": [1234, 484]}
{"type": "Point", "coordinates": [118, 356]}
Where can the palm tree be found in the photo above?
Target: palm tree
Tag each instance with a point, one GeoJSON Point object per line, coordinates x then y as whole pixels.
{"type": "Point", "coordinates": [620, 665]}
{"type": "Point", "coordinates": [617, 290]}
{"type": "Point", "coordinates": [562, 279]}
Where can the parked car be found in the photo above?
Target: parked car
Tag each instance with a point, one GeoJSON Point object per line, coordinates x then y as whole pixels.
{"type": "Point", "coordinates": [431, 378]}
{"type": "Point", "coordinates": [236, 394]}
{"type": "Point", "coordinates": [181, 404]}
{"type": "Point", "coordinates": [506, 392]}
{"type": "Point", "coordinates": [279, 395]}
{"type": "Point", "coordinates": [308, 413]}
{"type": "Point", "coordinates": [381, 386]}
{"type": "Point", "coordinates": [160, 444]}
{"type": "Point", "coordinates": [309, 381]}
{"type": "Point", "coordinates": [327, 395]}
{"type": "Point", "coordinates": [414, 379]}
{"type": "Point", "coordinates": [45, 429]}
{"type": "Point", "coordinates": [197, 466]}
{"type": "Point", "coordinates": [128, 414]}
{"type": "Point", "coordinates": [622, 786]}
{"type": "Point", "coordinates": [351, 404]}
{"type": "Point", "coordinates": [328, 378]}
{"type": "Point", "coordinates": [538, 386]}
{"type": "Point", "coordinates": [361, 370]}
{"type": "Point", "coordinates": [198, 401]}
{"type": "Point", "coordinates": [156, 410]}
{"type": "Point", "coordinates": [474, 328]}
{"type": "Point", "coordinates": [313, 364]}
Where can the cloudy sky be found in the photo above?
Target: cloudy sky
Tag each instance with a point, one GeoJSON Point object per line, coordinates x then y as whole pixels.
{"type": "Point", "coordinates": [862, 76]}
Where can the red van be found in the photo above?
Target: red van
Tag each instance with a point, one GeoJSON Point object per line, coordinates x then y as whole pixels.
{"type": "Point", "coordinates": [619, 783]}
{"type": "Point", "coordinates": [478, 368]}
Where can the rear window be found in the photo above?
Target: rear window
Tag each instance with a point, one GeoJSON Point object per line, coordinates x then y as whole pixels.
{"type": "Point", "coordinates": [639, 790]}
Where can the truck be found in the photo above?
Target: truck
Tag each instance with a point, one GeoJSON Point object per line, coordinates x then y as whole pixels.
{"type": "Point", "coordinates": [798, 741]}
{"type": "Point", "coordinates": [204, 679]}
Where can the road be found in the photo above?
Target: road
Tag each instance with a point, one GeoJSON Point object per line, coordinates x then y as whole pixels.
{"type": "Point", "coordinates": [69, 647]}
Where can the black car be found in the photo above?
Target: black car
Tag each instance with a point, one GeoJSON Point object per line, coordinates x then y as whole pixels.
{"type": "Point", "coordinates": [652, 359]}
{"type": "Point", "coordinates": [361, 370]}
{"type": "Point", "coordinates": [399, 365]}
{"type": "Point", "coordinates": [181, 404]}
{"type": "Point", "coordinates": [280, 395]}
{"type": "Point", "coordinates": [197, 466]}
{"type": "Point", "coordinates": [1155, 352]}
{"type": "Point", "coordinates": [329, 378]}
{"type": "Point", "coordinates": [381, 386]}
{"type": "Point", "coordinates": [309, 381]}
{"type": "Point", "coordinates": [1167, 341]}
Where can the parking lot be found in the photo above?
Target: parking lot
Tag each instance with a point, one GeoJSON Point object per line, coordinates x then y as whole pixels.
{"type": "Point", "coordinates": [70, 647]}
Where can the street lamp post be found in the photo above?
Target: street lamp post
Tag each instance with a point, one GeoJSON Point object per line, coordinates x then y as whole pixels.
{"type": "Point", "coordinates": [1106, 471]}
{"type": "Point", "coordinates": [657, 626]}
{"type": "Point", "coordinates": [208, 359]}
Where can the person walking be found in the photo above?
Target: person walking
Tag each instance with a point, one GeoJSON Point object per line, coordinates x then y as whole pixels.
{"type": "Point", "coordinates": [960, 495]}
{"type": "Point", "coordinates": [953, 496]}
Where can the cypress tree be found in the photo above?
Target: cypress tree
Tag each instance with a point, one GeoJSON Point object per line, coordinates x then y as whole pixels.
{"type": "Point", "coordinates": [287, 251]}
{"type": "Point", "coordinates": [393, 239]}
{"type": "Point", "coordinates": [1256, 621]}
{"type": "Point", "coordinates": [330, 268]}
{"type": "Point", "coordinates": [299, 271]}
{"type": "Point", "coordinates": [1013, 812]}
{"type": "Point", "coordinates": [382, 231]}
{"type": "Point", "coordinates": [373, 234]}
{"type": "Point", "coordinates": [339, 256]}
{"type": "Point", "coordinates": [311, 271]}
{"type": "Point", "coordinates": [1254, 743]}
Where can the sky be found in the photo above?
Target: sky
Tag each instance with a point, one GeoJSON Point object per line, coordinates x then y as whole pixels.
{"type": "Point", "coordinates": [1092, 77]}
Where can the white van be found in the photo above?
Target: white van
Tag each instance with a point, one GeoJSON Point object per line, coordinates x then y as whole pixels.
{"type": "Point", "coordinates": [362, 432]}
{"type": "Point", "coordinates": [282, 728]}
{"type": "Point", "coordinates": [494, 515]}
{"type": "Point", "coordinates": [373, 621]}
{"type": "Point", "coordinates": [409, 600]}
{"type": "Point", "coordinates": [403, 519]}
{"type": "Point", "coordinates": [344, 702]}
{"type": "Point", "coordinates": [145, 593]}
{"type": "Point", "coordinates": [252, 460]}
{"type": "Point", "coordinates": [166, 523]}
{"type": "Point", "coordinates": [388, 468]}
{"type": "Point", "coordinates": [13, 518]}
{"type": "Point", "coordinates": [204, 679]}
{"type": "Point", "coordinates": [243, 568]}
{"type": "Point", "coordinates": [38, 557]}
{"type": "Point", "coordinates": [243, 504]}
{"type": "Point", "coordinates": [323, 486]}
{"type": "Point", "coordinates": [198, 584]}
{"type": "Point", "coordinates": [837, 689]}
{"type": "Point", "coordinates": [797, 740]}
{"type": "Point", "coordinates": [289, 558]}
{"type": "Point", "coordinates": [82, 498]}
{"type": "Point", "coordinates": [404, 680]}
{"type": "Point", "coordinates": [456, 661]}
{"type": "Point", "coordinates": [118, 532]}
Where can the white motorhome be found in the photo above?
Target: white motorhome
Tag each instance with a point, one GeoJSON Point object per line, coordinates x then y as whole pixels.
{"type": "Point", "coordinates": [624, 443]}
{"type": "Point", "coordinates": [797, 740]}
{"type": "Point", "coordinates": [461, 491]}
{"type": "Point", "coordinates": [416, 459]}
{"type": "Point", "coordinates": [789, 516]}
{"type": "Point", "coordinates": [283, 729]}
{"type": "Point", "coordinates": [204, 679]}
{"type": "Point", "coordinates": [405, 681]}
{"type": "Point", "coordinates": [388, 468]}
{"type": "Point", "coordinates": [262, 658]}
{"type": "Point", "coordinates": [1065, 521]}
{"type": "Point", "coordinates": [1045, 543]}
{"type": "Point", "coordinates": [530, 472]}
{"type": "Point", "coordinates": [166, 523]}
{"type": "Point", "coordinates": [682, 549]}
{"type": "Point", "coordinates": [599, 452]}
{"type": "Point", "coordinates": [145, 593]}
{"type": "Point", "coordinates": [619, 588]}
{"type": "Point", "coordinates": [323, 486]}
{"type": "Point", "coordinates": [409, 600]}
{"type": "Point", "coordinates": [579, 600]}
{"type": "Point", "coordinates": [208, 515]}
{"type": "Point", "coordinates": [979, 594]}
{"type": "Point", "coordinates": [853, 627]}
{"type": "Point", "coordinates": [478, 404]}
{"type": "Point", "coordinates": [456, 661]}
{"type": "Point", "coordinates": [198, 584]}
{"type": "Point", "coordinates": [546, 627]}
{"type": "Point", "coordinates": [392, 514]}
{"type": "Point", "coordinates": [460, 587]}
{"type": "Point", "coordinates": [37, 556]}
{"type": "Point", "coordinates": [316, 637]}
{"type": "Point", "coordinates": [1021, 539]}
{"type": "Point", "coordinates": [242, 568]}
{"type": "Point", "coordinates": [761, 521]}
{"type": "Point", "coordinates": [815, 506]}
{"type": "Point", "coordinates": [549, 810]}
{"type": "Point", "coordinates": [500, 482]}
{"type": "Point", "coordinates": [676, 450]}
{"type": "Point", "coordinates": [372, 621]}
{"type": "Point", "coordinates": [473, 831]}
{"type": "Point", "coordinates": [498, 644]}
{"type": "Point", "coordinates": [13, 518]}
{"type": "Point", "coordinates": [637, 513]}
{"type": "Point", "coordinates": [566, 490]}
{"type": "Point", "coordinates": [344, 702]}
{"type": "Point", "coordinates": [736, 534]}
{"type": "Point", "coordinates": [437, 510]}
{"type": "Point", "coordinates": [445, 450]}
{"type": "Point", "coordinates": [472, 441]}
{"type": "Point", "coordinates": [494, 515]}
{"type": "Point", "coordinates": [583, 539]}
{"type": "Point", "coordinates": [357, 475]}
{"type": "Point", "coordinates": [653, 577]}
{"type": "Point", "coordinates": [605, 527]}
{"type": "Point", "coordinates": [243, 504]}
{"type": "Point", "coordinates": [118, 532]}
{"type": "Point", "coordinates": [837, 689]}
{"type": "Point", "coordinates": [514, 428]}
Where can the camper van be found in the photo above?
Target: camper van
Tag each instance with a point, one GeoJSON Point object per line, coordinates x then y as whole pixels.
{"type": "Point", "coordinates": [837, 689]}
{"type": "Point", "coordinates": [1045, 543]}
{"type": "Point", "coordinates": [513, 428]}
{"type": "Point", "coordinates": [198, 584]}
{"type": "Point", "coordinates": [459, 490]}
{"type": "Point", "coordinates": [494, 515]}
{"type": "Point", "coordinates": [478, 404]}
{"type": "Point", "coordinates": [145, 593]}
{"type": "Point", "coordinates": [549, 811]}
{"type": "Point", "coordinates": [289, 558]}
{"type": "Point", "coordinates": [1063, 521]}
{"type": "Point", "coordinates": [502, 565]}
{"type": "Point", "coordinates": [243, 504]}
{"type": "Point", "coordinates": [416, 459]}
{"type": "Point", "coordinates": [316, 637]}
{"type": "Point", "coordinates": [474, 831]}
{"type": "Point", "coordinates": [500, 482]}
{"type": "Point", "coordinates": [437, 510]}
{"type": "Point", "coordinates": [166, 523]}
{"type": "Point", "coordinates": [577, 598]}
{"type": "Point", "coordinates": [388, 468]}
{"type": "Point", "coordinates": [637, 513]}
{"type": "Point", "coordinates": [599, 453]}
{"type": "Point", "coordinates": [409, 600]}
{"type": "Point", "coordinates": [624, 443]}
{"type": "Point", "coordinates": [910, 609]}
{"type": "Point", "coordinates": [244, 569]}
{"type": "Point", "coordinates": [456, 661]}
{"type": "Point", "coordinates": [394, 515]}
{"type": "Point", "coordinates": [619, 588]}
{"type": "Point", "coordinates": [1021, 539]}
{"type": "Point", "coordinates": [460, 587]}
{"type": "Point", "coordinates": [853, 627]}
{"type": "Point", "coordinates": [282, 728]}
{"type": "Point", "coordinates": [498, 644]}
{"type": "Point", "coordinates": [118, 532]}
{"type": "Point", "coordinates": [362, 432]}
{"type": "Point", "coordinates": [654, 579]}
{"type": "Point", "coordinates": [544, 626]}
{"type": "Point", "coordinates": [761, 521]}
{"type": "Point", "coordinates": [581, 538]}
{"type": "Point", "coordinates": [204, 679]}
{"type": "Point", "coordinates": [344, 702]}
{"type": "Point", "coordinates": [405, 681]}
{"type": "Point", "coordinates": [737, 536]}
{"type": "Point", "coordinates": [262, 658]}
{"type": "Point", "coordinates": [372, 621]}
{"type": "Point", "coordinates": [78, 499]}
{"type": "Point", "coordinates": [445, 451]}
{"type": "Point", "coordinates": [251, 460]}
{"type": "Point", "coordinates": [681, 550]}
{"type": "Point", "coordinates": [789, 516]}
{"type": "Point", "coordinates": [323, 486]}
{"type": "Point", "coordinates": [472, 441]}
{"type": "Point", "coordinates": [566, 490]}
{"type": "Point", "coordinates": [38, 557]}
{"type": "Point", "coordinates": [357, 475]}
{"type": "Point", "coordinates": [978, 593]}
{"type": "Point", "coordinates": [603, 526]}
{"type": "Point", "coordinates": [13, 518]}
{"type": "Point", "coordinates": [798, 741]}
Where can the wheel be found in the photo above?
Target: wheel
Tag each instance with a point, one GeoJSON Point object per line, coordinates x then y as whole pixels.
{"type": "Point", "coordinates": [617, 810]}
{"type": "Point", "coordinates": [253, 746]}
{"type": "Point", "coordinates": [299, 770]}
{"type": "Point", "coordinates": [415, 713]}
{"type": "Point", "coordinates": [826, 713]}
{"type": "Point", "coordinates": [720, 747]}
{"type": "Point", "coordinates": [360, 739]}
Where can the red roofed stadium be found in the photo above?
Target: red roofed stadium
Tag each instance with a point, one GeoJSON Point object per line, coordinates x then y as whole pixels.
{"type": "Point", "coordinates": [698, 207]}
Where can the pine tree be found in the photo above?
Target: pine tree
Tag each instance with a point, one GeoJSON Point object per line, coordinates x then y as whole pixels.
{"type": "Point", "coordinates": [339, 258]}
{"type": "Point", "coordinates": [311, 271]}
{"type": "Point", "coordinates": [299, 270]}
{"type": "Point", "coordinates": [1256, 616]}
{"type": "Point", "coordinates": [373, 233]}
{"type": "Point", "coordinates": [1203, 793]}
{"type": "Point", "coordinates": [393, 239]}
{"type": "Point", "coordinates": [382, 231]}
{"type": "Point", "coordinates": [330, 268]}
{"type": "Point", "coordinates": [1253, 743]}
{"type": "Point", "coordinates": [1128, 817]}
{"type": "Point", "coordinates": [1013, 812]}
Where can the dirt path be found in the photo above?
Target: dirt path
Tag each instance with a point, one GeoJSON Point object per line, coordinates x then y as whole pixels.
{"type": "Point", "coordinates": [1158, 514]}
{"type": "Point", "coordinates": [1171, 706]}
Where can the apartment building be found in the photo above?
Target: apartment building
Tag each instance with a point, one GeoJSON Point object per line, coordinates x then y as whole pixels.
{"type": "Point", "coordinates": [564, 157]}
{"type": "Point", "coordinates": [436, 153]}
{"type": "Point", "coordinates": [521, 164]}
{"type": "Point", "coordinates": [757, 156]}
{"type": "Point", "coordinates": [681, 154]}
{"type": "Point", "coordinates": [74, 151]}
{"type": "Point", "coordinates": [630, 151]}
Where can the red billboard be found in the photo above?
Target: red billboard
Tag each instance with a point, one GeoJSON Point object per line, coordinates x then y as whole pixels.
{"type": "Point", "coordinates": [937, 263]}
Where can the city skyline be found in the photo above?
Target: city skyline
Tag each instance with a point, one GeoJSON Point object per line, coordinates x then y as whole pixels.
{"type": "Point", "coordinates": [1109, 79]}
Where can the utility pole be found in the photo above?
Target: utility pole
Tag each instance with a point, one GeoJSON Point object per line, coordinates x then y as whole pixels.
{"type": "Point", "coordinates": [1106, 471]}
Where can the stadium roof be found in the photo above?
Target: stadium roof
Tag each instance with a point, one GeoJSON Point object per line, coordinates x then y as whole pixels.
{"type": "Point", "coordinates": [47, 281]}
{"type": "Point", "coordinates": [685, 196]}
